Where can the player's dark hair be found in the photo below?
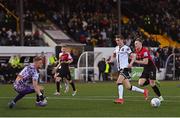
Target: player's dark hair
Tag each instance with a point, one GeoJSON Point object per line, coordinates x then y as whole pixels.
{"type": "Point", "coordinates": [138, 39]}
{"type": "Point", "coordinates": [37, 58]}
{"type": "Point", "coordinates": [120, 37]}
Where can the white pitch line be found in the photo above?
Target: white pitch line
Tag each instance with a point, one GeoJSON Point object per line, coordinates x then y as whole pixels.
{"type": "Point", "coordinates": [85, 99]}
{"type": "Point", "coordinates": [128, 96]}
{"type": "Point", "coordinates": [106, 96]}
{"type": "Point", "coordinates": [110, 97]}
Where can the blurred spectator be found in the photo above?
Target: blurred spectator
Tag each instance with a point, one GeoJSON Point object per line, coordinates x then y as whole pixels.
{"type": "Point", "coordinates": [14, 66]}
{"type": "Point", "coordinates": [101, 66]}
{"type": "Point", "coordinates": [177, 68]}
{"type": "Point", "coordinates": [52, 59]}
{"type": "Point", "coordinates": [51, 66]}
{"type": "Point", "coordinates": [98, 20]}
{"type": "Point", "coordinates": [157, 61]}
{"type": "Point", "coordinates": [107, 71]}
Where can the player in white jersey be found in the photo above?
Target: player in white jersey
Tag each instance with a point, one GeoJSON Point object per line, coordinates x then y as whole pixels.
{"type": "Point", "coordinates": [122, 53]}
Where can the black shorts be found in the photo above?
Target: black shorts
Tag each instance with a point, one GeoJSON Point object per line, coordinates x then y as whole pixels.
{"type": "Point", "coordinates": [125, 72]}
{"type": "Point", "coordinates": [64, 73]}
{"type": "Point", "coordinates": [149, 74]}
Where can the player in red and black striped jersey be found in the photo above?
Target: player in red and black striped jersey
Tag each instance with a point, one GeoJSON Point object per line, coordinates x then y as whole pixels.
{"type": "Point", "coordinates": [148, 76]}
{"type": "Point", "coordinates": [63, 71]}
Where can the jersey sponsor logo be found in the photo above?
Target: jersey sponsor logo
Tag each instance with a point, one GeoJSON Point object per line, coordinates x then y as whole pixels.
{"type": "Point", "coordinates": [122, 49]}
{"type": "Point", "coordinates": [145, 54]}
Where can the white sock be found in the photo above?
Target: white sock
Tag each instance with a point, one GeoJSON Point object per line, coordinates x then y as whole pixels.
{"type": "Point", "coordinates": [65, 84]}
{"type": "Point", "coordinates": [134, 88]}
{"type": "Point", "coordinates": [120, 91]}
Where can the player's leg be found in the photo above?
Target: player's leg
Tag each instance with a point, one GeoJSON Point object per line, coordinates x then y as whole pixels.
{"type": "Point", "coordinates": [66, 83]}
{"type": "Point", "coordinates": [74, 88]}
{"type": "Point", "coordinates": [154, 86]}
{"type": "Point", "coordinates": [41, 100]}
{"type": "Point", "coordinates": [127, 84]}
{"type": "Point", "coordinates": [136, 89]}
{"type": "Point", "coordinates": [58, 79]}
{"type": "Point", "coordinates": [71, 82]}
{"type": "Point", "coordinates": [68, 78]}
{"type": "Point", "coordinates": [119, 83]}
{"type": "Point", "coordinates": [100, 74]}
{"type": "Point", "coordinates": [156, 90]}
{"type": "Point", "coordinates": [143, 81]}
{"type": "Point", "coordinates": [22, 91]}
{"type": "Point", "coordinates": [131, 87]}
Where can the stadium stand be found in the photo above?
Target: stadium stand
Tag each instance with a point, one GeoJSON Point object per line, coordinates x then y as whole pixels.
{"type": "Point", "coordinates": [95, 22]}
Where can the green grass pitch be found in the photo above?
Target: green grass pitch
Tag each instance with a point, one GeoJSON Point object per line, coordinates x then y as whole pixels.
{"type": "Point", "coordinates": [93, 100]}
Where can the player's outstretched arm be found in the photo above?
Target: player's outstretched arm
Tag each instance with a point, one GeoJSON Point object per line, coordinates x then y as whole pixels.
{"type": "Point", "coordinates": [36, 87]}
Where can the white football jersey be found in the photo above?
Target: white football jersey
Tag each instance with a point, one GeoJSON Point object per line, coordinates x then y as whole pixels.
{"type": "Point", "coordinates": [122, 55]}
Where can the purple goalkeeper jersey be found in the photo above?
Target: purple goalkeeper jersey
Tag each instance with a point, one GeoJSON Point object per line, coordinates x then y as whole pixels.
{"type": "Point", "coordinates": [28, 74]}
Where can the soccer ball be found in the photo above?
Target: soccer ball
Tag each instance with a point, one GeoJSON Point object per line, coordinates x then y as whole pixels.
{"type": "Point", "coordinates": [155, 102]}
